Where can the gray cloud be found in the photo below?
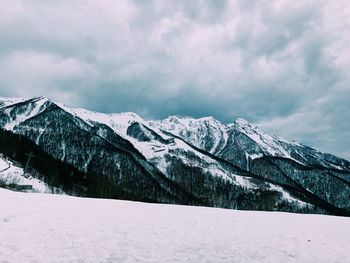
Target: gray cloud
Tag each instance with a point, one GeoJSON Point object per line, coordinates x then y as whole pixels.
{"type": "Point", "coordinates": [281, 64]}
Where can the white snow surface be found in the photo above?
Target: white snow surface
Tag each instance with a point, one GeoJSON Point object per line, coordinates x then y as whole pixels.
{"type": "Point", "coordinates": [37, 107]}
{"type": "Point", "coordinates": [118, 122]}
{"type": "Point", "coordinates": [286, 196]}
{"type": "Point", "coordinates": [194, 131]}
{"type": "Point", "coordinates": [271, 145]}
{"type": "Point", "coordinates": [3, 164]}
{"type": "Point", "coordinates": [9, 101]}
{"type": "Point", "coordinates": [12, 174]}
{"type": "Point", "coordinates": [53, 228]}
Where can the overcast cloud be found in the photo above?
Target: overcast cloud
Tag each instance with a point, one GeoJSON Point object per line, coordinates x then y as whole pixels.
{"type": "Point", "coordinates": [281, 64]}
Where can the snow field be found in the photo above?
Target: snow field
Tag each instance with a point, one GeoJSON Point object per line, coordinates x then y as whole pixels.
{"type": "Point", "coordinates": [53, 228]}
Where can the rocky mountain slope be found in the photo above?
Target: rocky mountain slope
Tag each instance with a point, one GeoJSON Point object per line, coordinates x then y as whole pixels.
{"type": "Point", "coordinates": [178, 160]}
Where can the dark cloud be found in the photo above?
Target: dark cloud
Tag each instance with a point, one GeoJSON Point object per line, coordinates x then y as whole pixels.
{"type": "Point", "coordinates": [281, 64]}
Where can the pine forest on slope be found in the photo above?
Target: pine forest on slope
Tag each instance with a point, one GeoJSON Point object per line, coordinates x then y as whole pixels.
{"type": "Point", "coordinates": [176, 160]}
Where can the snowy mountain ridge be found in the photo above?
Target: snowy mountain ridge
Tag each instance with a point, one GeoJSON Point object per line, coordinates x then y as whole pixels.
{"type": "Point", "coordinates": [199, 161]}
{"type": "Point", "coordinates": [195, 131]}
{"type": "Point", "coordinates": [206, 133]}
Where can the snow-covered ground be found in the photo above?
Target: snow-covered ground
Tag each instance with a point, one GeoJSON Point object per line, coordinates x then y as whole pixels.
{"type": "Point", "coordinates": [53, 228]}
{"type": "Point", "coordinates": [12, 174]}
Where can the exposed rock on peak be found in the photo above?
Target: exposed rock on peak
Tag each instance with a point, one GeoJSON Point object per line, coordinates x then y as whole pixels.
{"type": "Point", "coordinates": [181, 159]}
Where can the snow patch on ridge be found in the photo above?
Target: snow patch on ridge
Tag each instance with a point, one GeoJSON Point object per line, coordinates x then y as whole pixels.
{"type": "Point", "coordinates": [4, 102]}
{"type": "Point", "coordinates": [118, 122]}
{"type": "Point", "coordinates": [286, 196]}
{"type": "Point", "coordinates": [197, 132]}
{"type": "Point", "coordinates": [35, 108]}
{"type": "Point", "coordinates": [269, 144]}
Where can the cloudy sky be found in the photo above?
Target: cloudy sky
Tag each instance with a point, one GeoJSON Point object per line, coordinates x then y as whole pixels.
{"type": "Point", "coordinates": [284, 64]}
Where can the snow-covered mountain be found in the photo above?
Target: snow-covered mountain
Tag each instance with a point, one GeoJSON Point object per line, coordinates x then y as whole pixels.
{"type": "Point", "coordinates": [223, 139]}
{"type": "Point", "coordinates": [9, 101]}
{"type": "Point", "coordinates": [181, 159]}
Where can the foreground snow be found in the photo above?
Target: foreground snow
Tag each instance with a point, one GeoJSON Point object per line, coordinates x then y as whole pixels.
{"type": "Point", "coordinates": [53, 228]}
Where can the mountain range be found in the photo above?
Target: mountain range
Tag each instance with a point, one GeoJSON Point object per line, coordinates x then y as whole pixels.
{"type": "Point", "coordinates": [178, 160]}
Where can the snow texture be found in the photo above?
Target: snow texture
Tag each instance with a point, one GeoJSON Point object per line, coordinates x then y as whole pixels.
{"type": "Point", "coordinates": [38, 106]}
{"type": "Point", "coordinates": [52, 228]}
{"type": "Point", "coordinates": [118, 122]}
{"type": "Point", "coordinates": [12, 174]}
{"type": "Point", "coordinates": [269, 144]}
{"type": "Point", "coordinates": [4, 102]}
{"type": "Point", "coordinates": [196, 131]}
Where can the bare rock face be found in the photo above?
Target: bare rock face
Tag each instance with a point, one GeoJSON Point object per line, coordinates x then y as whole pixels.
{"type": "Point", "coordinates": [179, 159]}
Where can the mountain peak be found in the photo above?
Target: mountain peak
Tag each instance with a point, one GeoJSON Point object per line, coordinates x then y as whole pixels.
{"type": "Point", "coordinates": [208, 119]}
{"type": "Point", "coordinates": [244, 123]}
{"type": "Point", "coordinates": [224, 158]}
{"type": "Point", "coordinates": [127, 114]}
